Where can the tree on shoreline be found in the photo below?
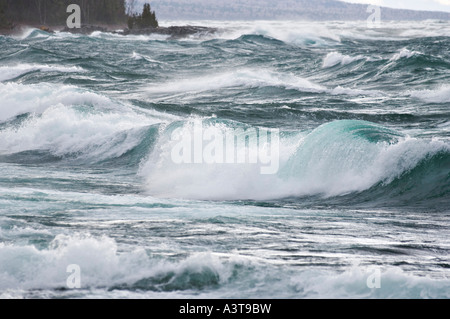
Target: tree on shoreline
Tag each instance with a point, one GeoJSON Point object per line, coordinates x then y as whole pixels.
{"type": "Point", "coordinates": [147, 19]}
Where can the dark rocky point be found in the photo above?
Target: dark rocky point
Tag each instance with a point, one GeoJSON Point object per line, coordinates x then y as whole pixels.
{"type": "Point", "coordinates": [85, 29]}
{"type": "Point", "coordinates": [174, 32]}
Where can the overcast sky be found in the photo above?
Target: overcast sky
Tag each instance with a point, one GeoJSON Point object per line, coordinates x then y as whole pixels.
{"type": "Point", "coordinates": [431, 5]}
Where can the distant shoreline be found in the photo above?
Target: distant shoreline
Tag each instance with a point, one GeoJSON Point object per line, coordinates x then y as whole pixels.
{"type": "Point", "coordinates": [174, 32]}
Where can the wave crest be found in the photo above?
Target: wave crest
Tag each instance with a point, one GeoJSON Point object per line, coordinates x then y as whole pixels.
{"type": "Point", "coordinates": [335, 159]}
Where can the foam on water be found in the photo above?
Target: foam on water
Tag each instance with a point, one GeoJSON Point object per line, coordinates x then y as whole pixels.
{"type": "Point", "coordinates": [65, 131]}
{"type": "Point", "coordinates": [90, 172]}
{"type": "Point", "coordinates": [14, 71]}
{"type": "Point", "coordinates": [20, 99]}
{"type": "Point", "coordinates": [341, 164]}
{"type": "Point", "coordinates": [26, 269]}
{"type": "Point", "coordinates": [335, 58]}
{"type": "Point", "coordinates": [356, 92]}
{"type": "Point", "coordinates": [32, 33]}
{"type": "Point", "coordinates": [404, 53]}
{"type": "Point", "coordinates": [303, 33]}
{"type": "Point", "coordinates": [119, 37]}
{"type": "Point", "coordinates": [102, 265]}
{"type": "Point", "coordinates": [47, 268]}
{"type": "Point", "coordinates": [188, 88]}
{"type": "Point", "coordinates": [139, 57]}
{"type": "Point", "coordinates": [439, 95]}
{"type": "Point", "coordinates": [292, 32]}
{"type": "Point", "coordinates": [243, 78]}
{"type": "Point", "coordinates": [324, 32]}
{"type": "Point", "coordinates": [332, 160]}
{"type": "Point", "coordinates": [67, 120]}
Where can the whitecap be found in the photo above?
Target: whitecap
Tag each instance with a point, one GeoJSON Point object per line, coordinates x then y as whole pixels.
{"type": "Point", "coordinates": [335, 58]}
{"type": "Point", "coordinates": [404, 53]}
{"type": "Point", "coordinates": [14, 71]}
{"type": "Point", "coordinates": [440, 95]}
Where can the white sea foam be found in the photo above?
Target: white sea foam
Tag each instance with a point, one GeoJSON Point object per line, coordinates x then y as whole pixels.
{"type": "Point", "coordinates": [103, 265]}
{"type": "Point", "coordinates": [119, 37]}
{"type": "Point", "coordinates": [138, 57]}
{"type": "Point", "coordinates": [26, 267]}
{"type": "Point", "coordinates": [335, 58]}
{"type": "Point", "coordinates": [353, 283]}
{"type": "Point", "coordinates": [243, 78]}
{"type": "Point", "coordinates": [32, 33]}
{"type": "Point", "coordinates": [166, 178]}
{"type": "Point", "coordinates": [293, 32]}
{"type": "Point", "coordinates": [329, 161]}
{"type": "Point", "coordinates": [13, 71]}
{"type": "Point", "coordinates": [440, 95]}
{"type": "Point", "coordinates": [36, 98]}
{"type": "Point", "coordinates": [301, 33]}
{"type": "Point", "coordinates": [63, 130]}
{"type": "Point", "coordinates": [404, 53]}
{"type": "Point", "coordinates": [20, 99]}
{"type": "Point", "coordinates": [99, 261]}
{"type": "Point", "coordinates": [247, 78]}
{"type": "Point", "coordinates": [355, 92]}
{"type": "Point", "coordinates": [323, 32]}
{"type": "Point", "coordinates": [68, 120]}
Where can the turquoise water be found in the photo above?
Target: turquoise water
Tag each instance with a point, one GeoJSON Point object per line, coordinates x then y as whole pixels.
{"type": "Point", "coordinates": [358, 206]}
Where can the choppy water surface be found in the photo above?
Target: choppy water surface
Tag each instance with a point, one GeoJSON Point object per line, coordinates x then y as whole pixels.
{"type": "Point", "coordinates": [359, 207]}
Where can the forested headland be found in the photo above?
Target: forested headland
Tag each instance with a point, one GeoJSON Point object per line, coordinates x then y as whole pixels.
{"type": "Point", "coordinates": [96, 15]}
